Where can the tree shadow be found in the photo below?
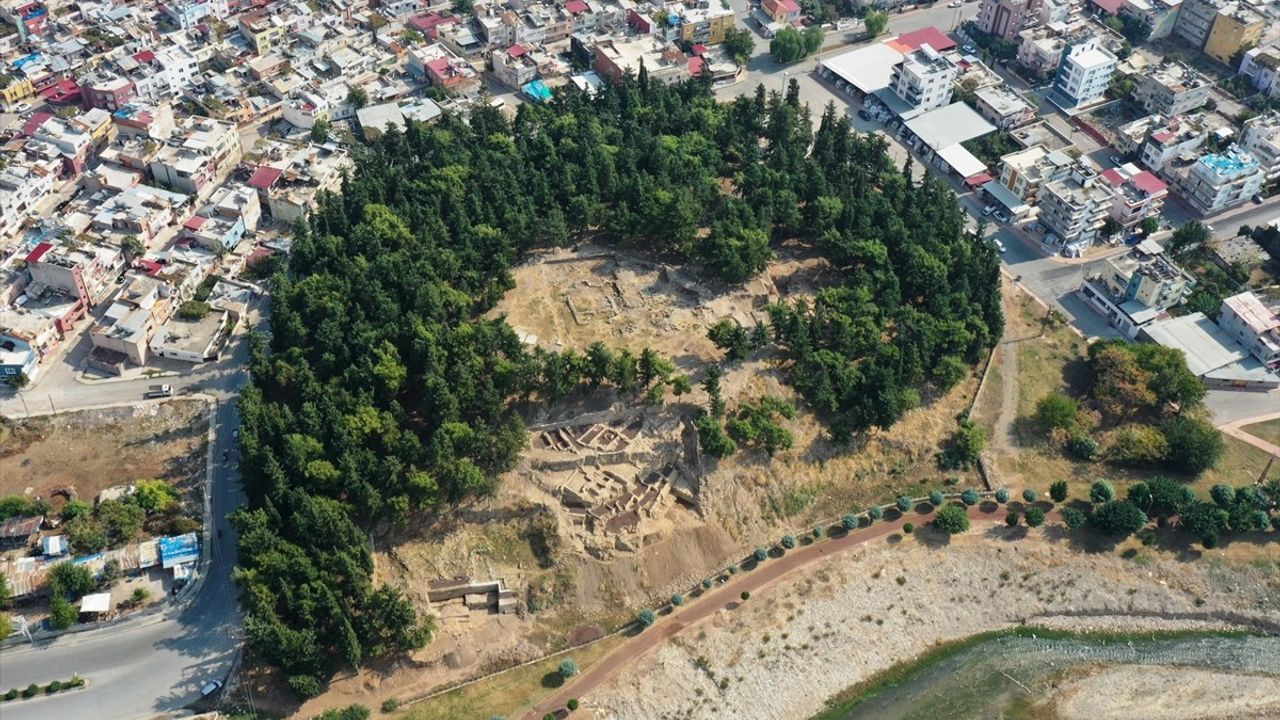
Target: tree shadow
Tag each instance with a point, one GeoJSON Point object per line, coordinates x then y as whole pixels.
{"type": "Point", "coordinates": [987, 507]}
{"type": "Point", "coordinates": [552, 680]}
{"type": "Point", "coordinates": [931, 537]}
{"type": "Point", "coordinates": [1006, 533]}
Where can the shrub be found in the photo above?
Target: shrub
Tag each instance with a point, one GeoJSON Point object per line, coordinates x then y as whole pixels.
{"type": "Point", "coordinates": [1056, 410]}
{"type": "Point", "coordinates": [1224, 496]}
{"type": "Point", "coordinates": [908, 528]}
{"type": "Point", "coordinates": [1058, 490]}
{"type": "Point", "coordinates": [936, 498]}
{"type": "Point", "coordinates": [1195, 445]}
{"type": "Point", "coordinates": [677, 599]}
{"type": "Point", "coordinates": [849, 522]}
{"type": "Point", "coordinates": [549, 716]}
{"type": "Point", "coordinates": [572, 704]}
{"type": "Point", "coordinates": [1119, 518]}
{"type": "Point", "coordinates": [903, 502]}
{"type": "Point", "coordinates": [789, 542]}
{"type": "Point", "coordinates": [875, 512]}
{"type": "Point", "coordinates": [53, 687]}
{"type": "Point", "coordinates": [568, 668]}
{"type": "Point", "coordinates": [1035, 517]}
{"type": "Point", "coordinates": [1011, 519]}
{"type": "Point", "coordinates": [1002, 496]}
{"type": "Point", "coordinates": [390, 705]}
{"type": "Point", "coordinates": [1073, 518]}
{"type": "Point", "coordinates": [951, 519]}
{"type": "Point", "coordinates": [761, 554]}
{"type": "Point", "coordinates": [1140, 445]}
{"type": "Point", "coordinates": [70, 579]}
{"type": "Point", "coordinates": [1101, 491]}
{"type": "Point", "coordinates": [1083, 447]}
{"type": "Point", "coordinates": [31, 691]}
{"type": "Point", "coordinates": [1030, 495]}
{"type": "Point", "coordinates": [646, 618]}
{"type": "Point", "coordinates": [304, 686]}
{"type": "Point", "coordinates": [746, 595]}
{"type": "Point", "coordinates": [12, 694]}
{"type": "Point", "coordinates": [707, 583]}
{"type": "Point", "coordinates": [733, 569]}
{"type": "Point", "coordinates": [819, 533]}
{"type": "Point", "coordinates": [970, 497]}
{"type": "Point", "coordinates": [62, 614]}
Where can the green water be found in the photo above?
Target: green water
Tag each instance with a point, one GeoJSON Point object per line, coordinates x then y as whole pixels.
{"type": "Point", "coordinates": [1001, 676]}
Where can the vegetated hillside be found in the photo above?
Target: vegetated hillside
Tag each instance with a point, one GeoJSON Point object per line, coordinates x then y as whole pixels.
{"type": "Point", "coordinates": [384, 391]}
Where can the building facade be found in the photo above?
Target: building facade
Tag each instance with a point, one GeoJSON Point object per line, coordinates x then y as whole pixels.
{"type": "Point", "coordinates": [1084, 73]}
{"type": "Point", "coordinates": [1218, 181]}
{"type": "Point", "coordinates": [1249, 321]}
{"type": "Point", "coordinates": [924, 78]}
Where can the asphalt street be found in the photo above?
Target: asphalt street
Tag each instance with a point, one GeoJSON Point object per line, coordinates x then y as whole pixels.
{"type": "Point", "coordinates": [155, 665]}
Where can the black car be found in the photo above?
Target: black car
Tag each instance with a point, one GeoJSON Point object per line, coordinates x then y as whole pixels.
{"type": "Point", "coordinates": [864, 114]}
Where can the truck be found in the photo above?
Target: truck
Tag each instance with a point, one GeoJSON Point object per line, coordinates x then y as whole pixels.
{"type": "Point", "coordinates": [159, 391]}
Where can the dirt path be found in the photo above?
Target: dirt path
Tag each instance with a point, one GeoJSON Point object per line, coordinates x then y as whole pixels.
{"type": "Point", "coordinates": [1236, 430]}
{"type": "Point", "coordinates": [727, 597]}
{"type": "Point", "coordinates": [1004, 440]}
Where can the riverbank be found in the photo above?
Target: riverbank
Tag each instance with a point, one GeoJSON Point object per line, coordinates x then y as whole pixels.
{"type": "Point", "coordinates": [782, 654]}
{"type": "Point", "coordinates": [1038, 670]}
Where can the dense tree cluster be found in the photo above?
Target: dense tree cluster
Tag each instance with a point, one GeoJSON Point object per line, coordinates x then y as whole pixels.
{"type": "Point", "coordinates": [384, 388]}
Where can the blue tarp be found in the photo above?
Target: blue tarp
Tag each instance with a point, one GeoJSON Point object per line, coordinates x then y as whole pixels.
{"type": "Point", "coordinates": [178, 550]}
{"type": "Point", "coordinates": [537, 90]}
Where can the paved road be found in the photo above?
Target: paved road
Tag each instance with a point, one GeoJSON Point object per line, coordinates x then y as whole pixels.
{"type": "Point", "coordinates": [727, 598]}
{"type": "Point", "coordinates": [156, 665]}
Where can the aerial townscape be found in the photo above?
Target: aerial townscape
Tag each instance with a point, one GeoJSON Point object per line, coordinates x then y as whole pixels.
{"type": "Point", "coordinates": [640, 359]}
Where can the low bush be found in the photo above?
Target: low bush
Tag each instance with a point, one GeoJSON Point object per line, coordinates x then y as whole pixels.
{"type": "Point", "coordinates": [677, 599]}
{"type": "Point", "coordinates": [12, 694]}
{"type": "Point", "coordinates": [572, 704]}
{"type": "Point", "coordinates": [53, 687]}
{"type": "Point", "coordinates": [646, 618]}
{"type": "Point", "coordinates": [1035, 517]}
{"type": "Point", "coordinates": [1073, 518]}
{"type": "Point", "coordinates": [789, 542]}
{"type": "Point", "coordinates": [875, 513]}
{"type": "Point", "coordinates": [908, 528]}
{"type": "Point", "coordinates": [761, 554]}
{"type": "Point", "coordinates": [970, 497]}
{"type": "Point", "coordinates": [31, 691]}
{"type": "Point", "coordinates": [849, 522]}
{"type": "Point", "coordinates": [1012, 518]}
{"type": "Point", "coordinates": [746, 595]}
{"type": "Point", "coordinates": [1002, 496]}
{"type": "Point", "coordinates": [1030, 495]}
{"type": "Point", "coordinates": [390, 705]}
{"type": "Point", "coordinates": [936, 498]}
{"type": "Point", "coordinates": [904, 503]}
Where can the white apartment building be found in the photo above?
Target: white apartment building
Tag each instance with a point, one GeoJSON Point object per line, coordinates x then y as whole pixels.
{"type": "Point", "coordinates": [1084, 74]}
{"type": "Point", "coordinates": [203, 151]}
{"type": "Point", "coordinates": [1220, 180]}
{"type": "Point", "coordinates": [1173, 88]}
{"type": "Point", "coordinates": [22, 186]}
{"type": "Point", "coordinates": [924, 78]}
{"type": "Point", "coordinates": [1248, 320]}
{"type": "Point", "coordinates": [1136, 194]}
{"type": "Point", "coordinates": [1074, 209]}
{"type": "Point", "coordinates": [1024, 172]}
{"type": "Point", "coordinates": [1261, 139]}
{"type": "Point", "coordinates": [1261, 66]}
{"type": "Point", "coordinates": [157, 75]}
{"type": "Point", "coordinates": [186, 14]}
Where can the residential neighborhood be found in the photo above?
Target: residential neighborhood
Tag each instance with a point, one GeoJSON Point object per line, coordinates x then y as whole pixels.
{"type": "Point", "coordinates": [408, 353]}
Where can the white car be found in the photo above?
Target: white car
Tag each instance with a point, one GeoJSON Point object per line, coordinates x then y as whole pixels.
{"type": "Point", "coordinates": [1001, 217]}
{"type": "Point", "coordinates": [954, 4]}
{"type": "Point", "coordinates": [210, 688]}
{"type": "Point", "coordinates": [986, 211]}
{"type": "Point", "coordinates": [999, 245]}
{"type": "Point", "coordinates": [22, 107]}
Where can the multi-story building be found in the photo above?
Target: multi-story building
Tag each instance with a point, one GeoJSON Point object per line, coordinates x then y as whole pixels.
{"type": "Point", "coordinates": [783, 12]}
{"type": "Point", "coordinates": [1173, 88]}
{"type": "Point", "coordinates": [73, 144]}
{"type": "Point", "coordinates": [1039, 50]}
{"type": "Point", "coordinates": [144, 303]}
{"type": "Point", "coordinates": [82, 274]}
{"type": "Point", "coordinates": [1249, 321]}
{"type": "Point", "coordinates": [514, 67]}
{"type": "Point", "coordinates": [924, 78]}
{"type": "Point", "coordinates": [1135, 289]}
{"type": "Point", "coordinates": [1195, 21]}
{"type": "Point", "coordinates": [14, 89]}
{"type": "Point", "coordinates": [287, 186]}
{"type": "Point", "coordinates": [204, 152]}
{"type": "Point", "coordinates": [144, 120]}
{"type": "Point", "coordinates": [1006, 18]}
{"type": "Point", "coordinates": [158, 75]}
{"type": "Point", "coordinates": [139, 210]}
{"type": "Point", "coordinates": [1023, 173]}
{"type": "Point", "coordinates": [1074, 210]}
{"type": "Point", "coordinates": [443, 69]}
{"type": "Point", "coordinates": [1261, 66]}
{"type": "Point", "coordinates": [1218, 181]}
{"type": "Point", "coordinates": [1083, 74]}
{"type": "Point", "coordinates": [1004, 107]}
{"type": "Point", "coordinates": [1136, 194]}
{"type": "Point", "coordinates": [1171, 140]}
{"type": "Point", "coordinates": [663, 62]}
{"type": "Point", "coordinates": [265, 32]}
{"type": "Point", "coordinates": [1237, 26]}
{"type": "Point", "coordinates": [23, 184]}
{"type": "Point", "coordinates": [106, 90]}
{"type": "Point", "coordinates": [186, 14]}
{"type": "Point", "coordinates": [1159, 15]}
{"type": "Point", "coordinates": [704, 25]}
{"type": "Point", "coordinates": [1261, 139]}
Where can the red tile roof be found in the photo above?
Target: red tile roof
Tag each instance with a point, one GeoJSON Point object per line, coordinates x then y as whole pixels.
{"type": "Point", "coordinates": [195, 222]}
{"type": "Point", "coordinates": [576, 6]}
{"type": "Point", "coordinates": [264, 177]}
{"type": "Point", "coordinates": [933, 37]}
{"type": "Point", "coordinates": [695, 65]}
{"type": "Point", "coordinates": [1111, 7]}
{"type": "Point", "coordinates": [1149, 183]}
{"type": "Point", "coordinates": [516, 51]}
{"type": "Point", "coordinates": [1162, 136]}
{"type": "Point", "coordinates": [146, 56]}
{"type": "Point", "coordinates": [1113, 176]}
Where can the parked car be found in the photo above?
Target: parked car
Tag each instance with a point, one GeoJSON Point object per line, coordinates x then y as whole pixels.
{"type": "Point", "coordinates": [210, 688]}
{"type": "Point", "coordinates": [999, 245]}
{"type": "Point", "coordinates": [1001, 217]}
{"type": "Point", "coordinates": [22, 107]}
{"type": "Point", "coordinates": [986, 211]}
{"type": "Point", "coordinates": [1116, 160]}
{"type": "Point", "coordinates": [1257, 199]}
{"type": "Point", "coordinates": [864, 114]}
{"type": "Point", "coordinates": [954, 4]}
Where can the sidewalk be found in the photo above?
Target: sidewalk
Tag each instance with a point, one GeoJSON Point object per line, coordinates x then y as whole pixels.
{"type": "Point", "coordinates": [1235, 430]}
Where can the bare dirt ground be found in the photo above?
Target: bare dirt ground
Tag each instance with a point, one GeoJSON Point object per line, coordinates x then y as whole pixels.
{"type": "Point", "coordinates": [840, 623]}
{"type": "Point", "coordinates": [96, 449]}
{"type": "Point", "coordinates": [1172, 693]}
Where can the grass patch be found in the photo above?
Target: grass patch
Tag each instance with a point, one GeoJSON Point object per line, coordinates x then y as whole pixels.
{"type": "Point", "coordinates": [508, 694]}
{"type": "Point", "coordinates": [1268, 430]}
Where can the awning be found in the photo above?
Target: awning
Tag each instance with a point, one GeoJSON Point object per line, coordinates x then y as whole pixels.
{"type": "Point", "coordinates": [1005, 197]}
{"type": "Point", "coordinates": [978, 180]}
{"type": "Point", "coordinates": [96, 603]}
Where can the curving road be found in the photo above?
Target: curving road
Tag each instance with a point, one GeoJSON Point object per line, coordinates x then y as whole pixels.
{"type": "Point", "coordinates": [156, 665]}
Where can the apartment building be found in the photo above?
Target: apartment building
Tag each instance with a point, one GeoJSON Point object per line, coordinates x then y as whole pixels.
{"type": "Point", "coordinates": [1006, 18]}
{"type": "Point", "coordinates": [107, 90]}
{"type": "Point", "coordinates": [1174, 139]}
{"type": "Point", "coordinates": [186, 14]}
{"type": "Point", "coordinates": [158, 75]}
{"type": "Point", "coordinates": [1040, 50]}
{"type": "Point", "coordinates": [145, 121]}
{"type": "Point", "coordinates": [71, 143]}
{"type": "Point", "coordinates": [1218, 181]}
{"type": "Point", "coordinates": [1135, 289]}
{"type": "Point", "coordinates": [203, 151]}
{"type": "Point", "coordinates": [703, 25]}
{"type": "Point", "coordinates": [1023, 173]}
{"type": "Point", "coordinates": [1261, 139]}
{"type": "Point", "coordinates": [1173, 88]}
{"type": "Point", "coordinates": [1159, 15]}
{"type": "Point", "coordinates": [1236, 26]}
{"type": "Point", "coordinates": [23, 184]}
{"type": "Point", "coordinates": [924, 78]}
{"type": "Point", "coordinates": [662, 61]}
{"type": "Point", "coordinates": [1261, 66]}
{"type": "Point", "coordinates": [287, 185]}
{"type": "Point", "coordinates": [265, 32]}
{"type": "Point", "coordinates": [1074, 209]}
{"type": "Point", "coordinates": [514, 66]}
{"type": "Point", "coordinates": [1084, 74]}
{"type": "Point", "coordinates": [444, 69]}
{"type": "Point", "coordinates": [1195, 21]}
{"type": "Point", "coordinates": [144, 303]}
{"type": "Point", "coordinates": [139, 210]}
{"type": "Point", "coordinates": [1249, 321]}
{"type": "Point", "coordinates": [14, 89]}
{"type": "Point", "coordinates": [1136, 194]}
{"type": "Point", "coordinates": [82, 274]}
